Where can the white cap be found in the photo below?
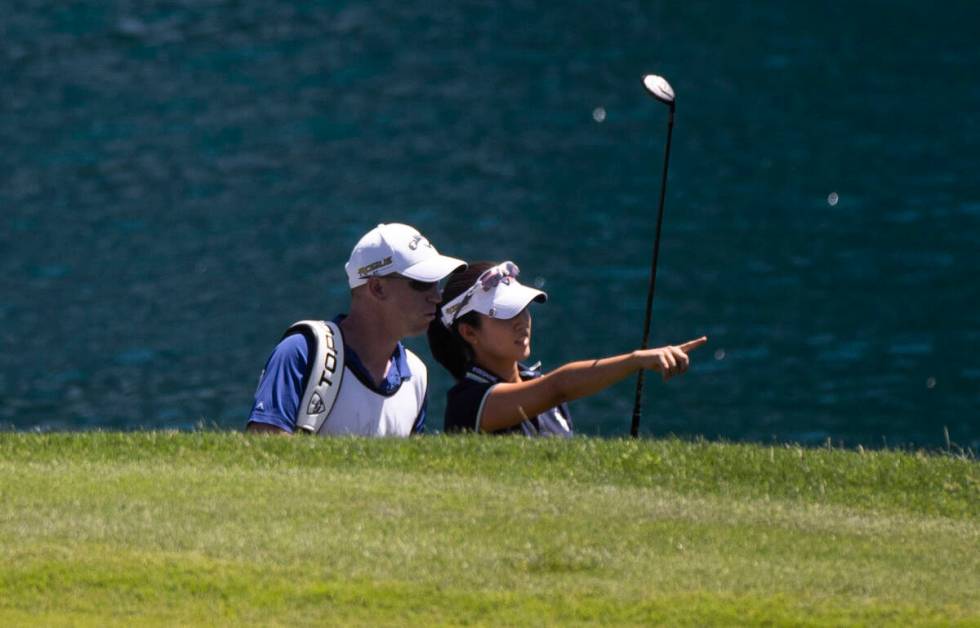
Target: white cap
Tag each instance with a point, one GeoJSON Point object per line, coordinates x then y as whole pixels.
{"type": "Point", "coordinates": [496, 293]}
{"type": "Point", "coordinates": [399, 249]}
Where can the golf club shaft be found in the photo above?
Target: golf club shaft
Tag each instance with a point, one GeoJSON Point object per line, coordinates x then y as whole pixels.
{"type": "Point", "coordinates": [635, 426]}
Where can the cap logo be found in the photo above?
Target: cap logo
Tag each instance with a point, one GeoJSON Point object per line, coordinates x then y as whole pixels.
{"type": "Point", "coordinates": [418, 241]}
{"type": "Point", "coordinates": [370, 268]}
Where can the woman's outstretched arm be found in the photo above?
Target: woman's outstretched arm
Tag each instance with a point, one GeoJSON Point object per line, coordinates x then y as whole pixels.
{"type": "Point", "coordinates": [507, 404]}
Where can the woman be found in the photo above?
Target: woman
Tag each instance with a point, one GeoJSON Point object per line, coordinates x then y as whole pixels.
{"type": "Point", "coordinates": [482, 334]}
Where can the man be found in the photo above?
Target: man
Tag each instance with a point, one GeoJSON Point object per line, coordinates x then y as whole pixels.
{"type": "Point", "coordinates": [374, 386]}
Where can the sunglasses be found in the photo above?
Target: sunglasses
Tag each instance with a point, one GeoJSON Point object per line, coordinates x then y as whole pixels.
{"type": "Point", "coordinates": [488, 280]}
{"type": "Point", "coordinates": [493, 277]}
{"type": "Point", "coordinates": [415, 284]}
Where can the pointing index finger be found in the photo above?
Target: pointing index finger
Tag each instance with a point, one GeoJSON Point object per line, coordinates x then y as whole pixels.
{"type": "Point", "coordinates": [693, 344]}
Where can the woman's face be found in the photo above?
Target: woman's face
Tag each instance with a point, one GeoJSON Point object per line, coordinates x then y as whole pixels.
{"type": "Point", "coordinates": [508, 339]}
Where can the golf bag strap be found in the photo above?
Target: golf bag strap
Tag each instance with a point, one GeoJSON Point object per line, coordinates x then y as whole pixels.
{"type": "Point", "coordinates": [325, 371]}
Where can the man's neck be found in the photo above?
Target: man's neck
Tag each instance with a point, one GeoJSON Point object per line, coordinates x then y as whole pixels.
{"type": "Point", "coordinates": [373, 344]}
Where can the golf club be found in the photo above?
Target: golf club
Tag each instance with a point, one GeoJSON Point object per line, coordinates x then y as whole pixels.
{"type": "Point", "coordinates": [659, 88]}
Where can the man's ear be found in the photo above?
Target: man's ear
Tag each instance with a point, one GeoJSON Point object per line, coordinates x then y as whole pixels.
{"type": "Point", "coordinates": [376, 287]}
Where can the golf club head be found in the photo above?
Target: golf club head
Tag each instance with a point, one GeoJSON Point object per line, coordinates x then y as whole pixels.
{"type": "Point", "coordinates": [659, 88]}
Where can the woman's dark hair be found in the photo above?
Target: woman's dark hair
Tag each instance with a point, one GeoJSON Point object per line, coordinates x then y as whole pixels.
{"type": "Point", "coordinates": [447, 346]}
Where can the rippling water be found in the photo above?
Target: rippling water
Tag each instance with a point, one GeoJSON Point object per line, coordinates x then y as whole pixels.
{"type": "Point", "coordinates": [179, 181]}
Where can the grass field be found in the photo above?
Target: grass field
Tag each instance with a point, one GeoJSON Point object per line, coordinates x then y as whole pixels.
{"type": "Point", "coordinates": [219, 528]}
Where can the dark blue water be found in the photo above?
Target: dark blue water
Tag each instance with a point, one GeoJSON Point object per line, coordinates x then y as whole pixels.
{"type": "Point", "coordinates": [181, 180]}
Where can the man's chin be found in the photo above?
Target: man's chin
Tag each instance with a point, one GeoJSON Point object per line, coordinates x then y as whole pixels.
{"type": "Point", "coordinates": [418, 330]}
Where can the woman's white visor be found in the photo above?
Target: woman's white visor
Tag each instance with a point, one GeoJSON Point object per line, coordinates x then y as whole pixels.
{"type": "Point", "coordinates": [497, 293]}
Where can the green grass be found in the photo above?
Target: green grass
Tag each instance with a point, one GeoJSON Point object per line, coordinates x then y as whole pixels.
{"type": "Point", "coordinates": [219, 528]}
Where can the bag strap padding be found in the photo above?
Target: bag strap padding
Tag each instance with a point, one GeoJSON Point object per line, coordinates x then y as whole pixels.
{"type": "Point", "coordinates": [325, 373]}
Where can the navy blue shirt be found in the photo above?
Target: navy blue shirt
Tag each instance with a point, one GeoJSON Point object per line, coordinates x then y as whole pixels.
{"type": "Point", "coordinates": [464, 405]}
